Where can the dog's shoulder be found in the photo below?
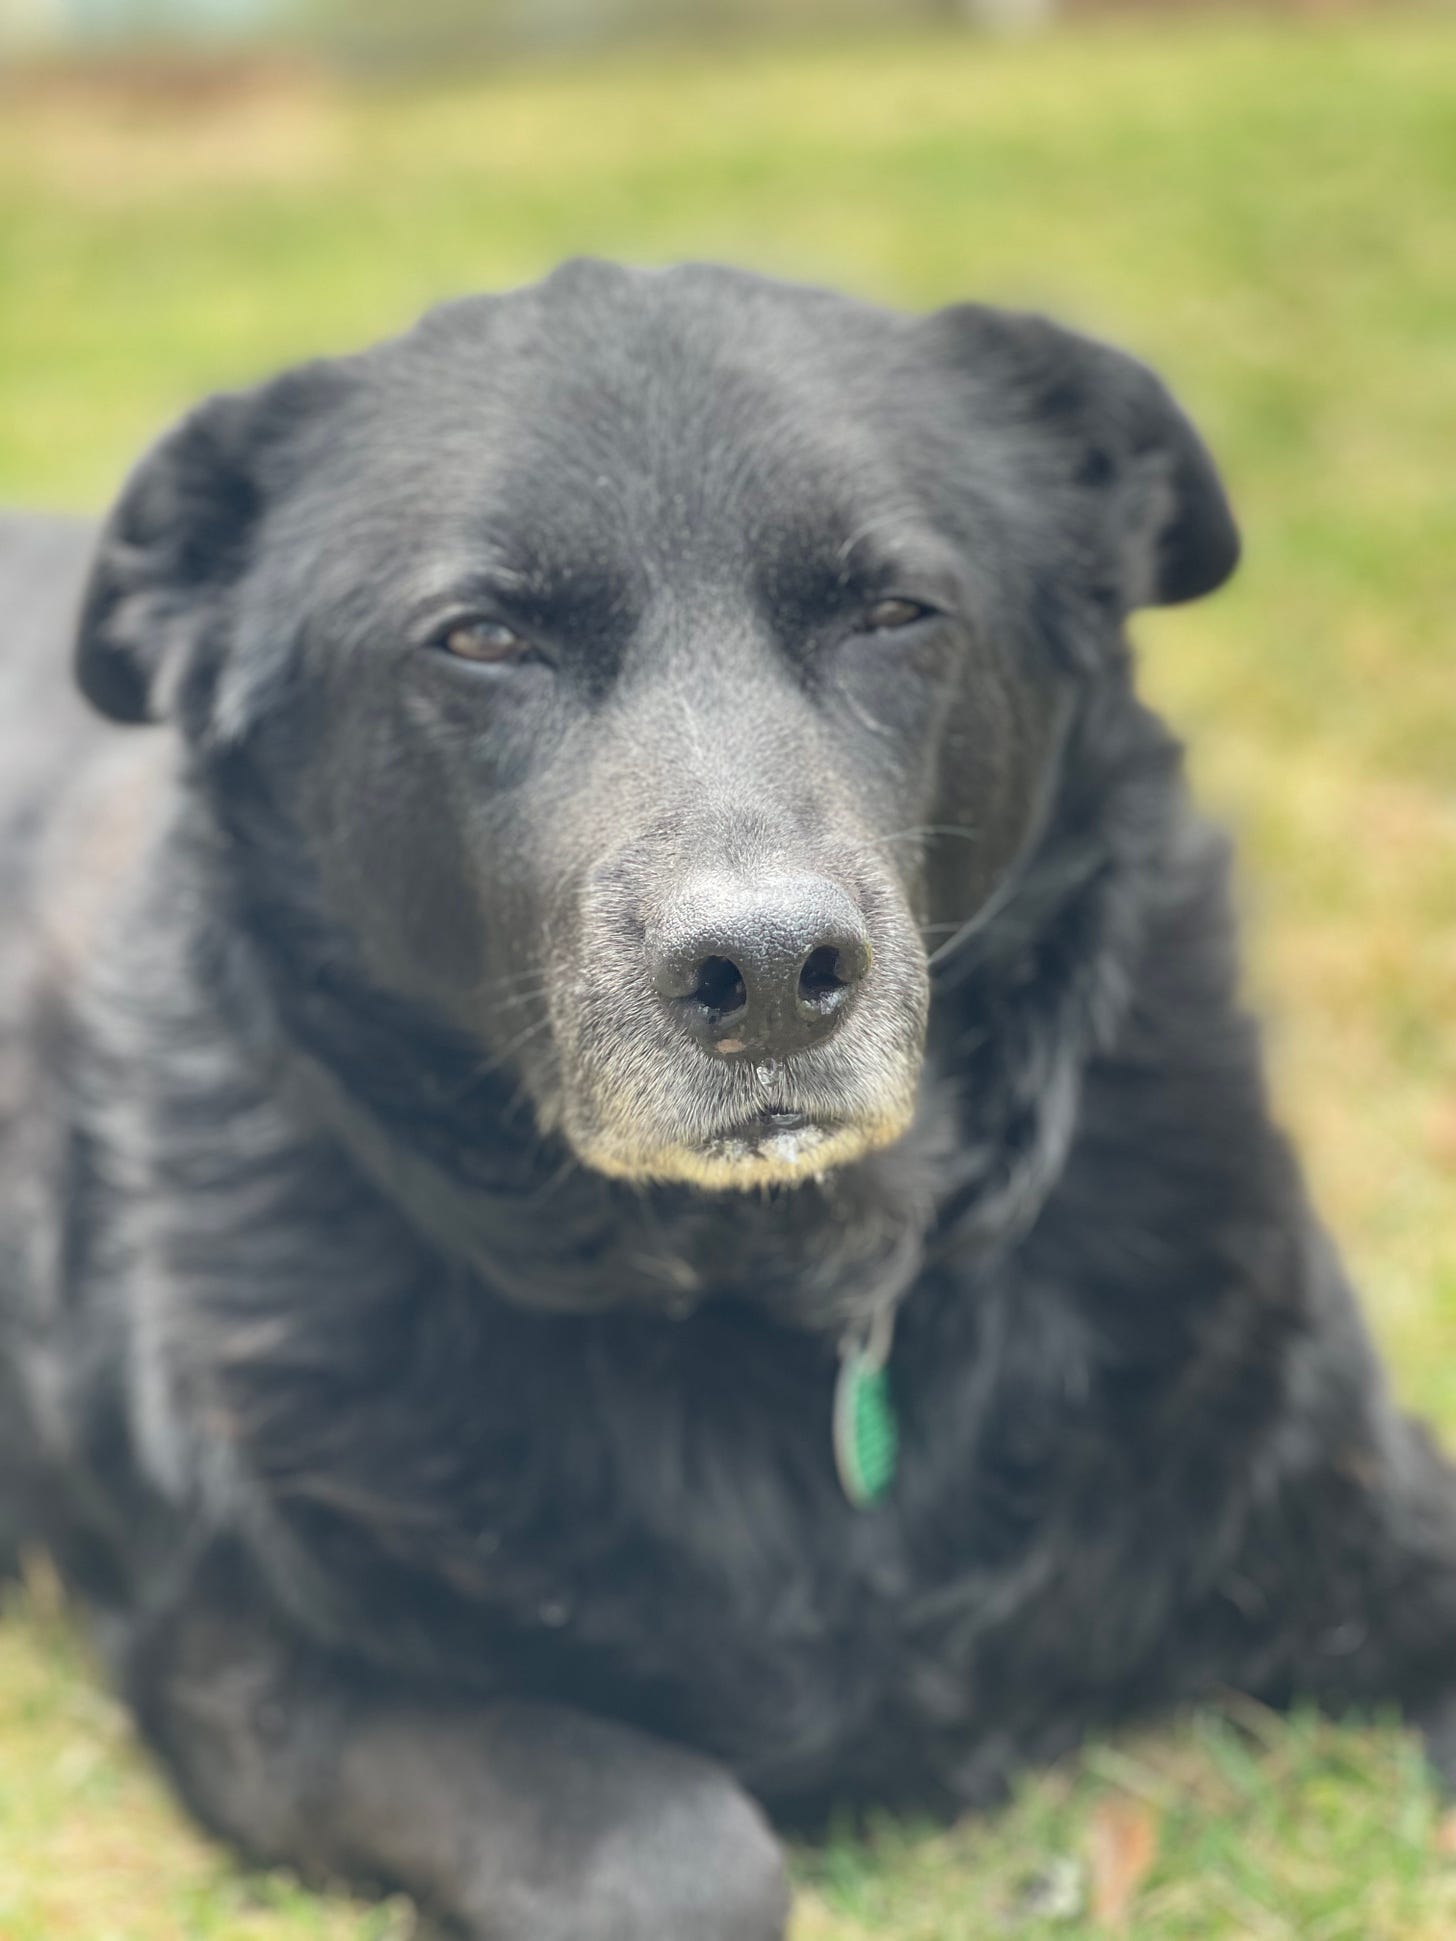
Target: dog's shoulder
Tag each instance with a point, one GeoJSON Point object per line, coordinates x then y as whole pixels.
{"type": "Point", "coordinates": [43, 564]}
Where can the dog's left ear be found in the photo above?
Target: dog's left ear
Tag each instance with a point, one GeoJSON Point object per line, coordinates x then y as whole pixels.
{"type": "Point", "coordinates": [177, 541]}
{"type": "Point", "coordinates": [1120, 436]}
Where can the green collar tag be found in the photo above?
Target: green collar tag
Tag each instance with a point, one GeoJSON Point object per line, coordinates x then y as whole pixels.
{"type": "Point", "coordinates": [866, 1431]}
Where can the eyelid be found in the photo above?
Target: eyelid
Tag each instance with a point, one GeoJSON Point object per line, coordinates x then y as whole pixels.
{"type": "Point", "coordinates": [480, 623]}
{"type": "Point", "coordinates": [925, 610]}
{"type": "Point", "coordinates": [456, 602]}
{"type": "Point", "coordinates": [521, 646]}
{"type": "Point", "coordinates": [438, 624]}
{"type": "Point", "coordinates": [512, 647]}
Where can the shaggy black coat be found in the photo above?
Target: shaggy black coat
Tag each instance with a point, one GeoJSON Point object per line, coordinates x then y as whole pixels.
{"type": "Point", "coordinates": [432, 1484]}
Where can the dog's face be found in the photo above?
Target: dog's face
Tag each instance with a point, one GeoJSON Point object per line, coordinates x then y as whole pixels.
{"type": "Point", "coordinates": [655, 670]}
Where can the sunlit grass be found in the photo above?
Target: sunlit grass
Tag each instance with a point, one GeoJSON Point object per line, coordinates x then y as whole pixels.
{"type": "Point", "coordinates": [1267, 212]}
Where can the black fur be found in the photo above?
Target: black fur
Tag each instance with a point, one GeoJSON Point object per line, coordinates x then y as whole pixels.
{"type": "Point", "coordinates": [388, 1359]}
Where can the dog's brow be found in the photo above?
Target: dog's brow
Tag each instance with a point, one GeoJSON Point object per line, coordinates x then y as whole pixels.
{"type": "Point", "coordinates": [457, 579]}
{"type": "Point", "coordinates": [438, 594]}
{"type": "Point", "coordinates": [890, 530]}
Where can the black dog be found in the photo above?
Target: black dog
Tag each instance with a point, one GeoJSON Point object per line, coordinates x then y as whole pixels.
{"type": "Point", "coordinates": [632, 1177]}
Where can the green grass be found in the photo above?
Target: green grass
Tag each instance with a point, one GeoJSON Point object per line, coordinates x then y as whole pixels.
{"type": "Point", "coordinates": [1267, 212]}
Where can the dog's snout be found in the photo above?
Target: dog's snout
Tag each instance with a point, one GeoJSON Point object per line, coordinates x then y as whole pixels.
{"type": "Point", "coordinates": [764, 967]}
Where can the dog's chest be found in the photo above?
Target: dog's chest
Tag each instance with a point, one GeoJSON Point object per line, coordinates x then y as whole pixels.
{"type": "Point", "coordinates": [697, 1565]}
{"type": "Point", "coordinates": [646, 1518]}
{"type": "Point", "coordinates": [696, 1467]}
{"type": "Point", "coordinates": [650, 1520]}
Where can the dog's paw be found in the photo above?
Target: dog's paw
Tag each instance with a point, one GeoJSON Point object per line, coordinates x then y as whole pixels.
{"type": "Point", "coordinates": [702, 1866]}
{"type": "Point", "coordinates": [711, 1870]}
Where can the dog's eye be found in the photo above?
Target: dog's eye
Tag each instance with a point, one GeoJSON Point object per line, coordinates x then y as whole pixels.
{"type": "Point", "coordinates": [490, 641]}
{"type": "Point", "coordinates": [886, 615]}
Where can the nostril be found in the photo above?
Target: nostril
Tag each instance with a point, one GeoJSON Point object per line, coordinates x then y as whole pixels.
{"type": "Point", "coordinates": [826, 974]}
{"type": "Point", "coordinates": [820, 975]}
{"type": "Point", "coordinates": [720, 988]}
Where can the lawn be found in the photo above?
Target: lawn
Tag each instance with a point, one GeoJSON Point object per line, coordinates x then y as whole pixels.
{"type": "Point", "coordinates": [1267, 212]}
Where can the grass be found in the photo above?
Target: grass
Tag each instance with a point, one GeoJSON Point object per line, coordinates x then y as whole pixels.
{"type": "Point", "coordinates": [1264, 210]}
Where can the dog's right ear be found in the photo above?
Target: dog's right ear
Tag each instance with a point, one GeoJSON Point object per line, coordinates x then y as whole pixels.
{"type": "Point", "coordinates": [178, 540]}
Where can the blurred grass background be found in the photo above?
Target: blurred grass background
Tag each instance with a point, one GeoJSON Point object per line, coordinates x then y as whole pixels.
{"type": "Point", "coordinates": [1267, 210]}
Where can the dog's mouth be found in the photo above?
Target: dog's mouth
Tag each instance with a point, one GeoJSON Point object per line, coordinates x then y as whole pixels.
{"type": "Point", "coordinates": [779, 1135]}
{"type": "Point", "coordinates": [780, 1145]}
{"type": "Point", "coordinates": [772, 1121]}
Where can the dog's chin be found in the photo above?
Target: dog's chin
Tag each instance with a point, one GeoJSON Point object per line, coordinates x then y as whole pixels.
{"type": "Point", "coordinates": [778, 1149]}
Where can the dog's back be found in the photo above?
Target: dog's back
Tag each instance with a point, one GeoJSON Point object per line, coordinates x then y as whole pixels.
{"type": "Point", "coordinates": [54, 754]}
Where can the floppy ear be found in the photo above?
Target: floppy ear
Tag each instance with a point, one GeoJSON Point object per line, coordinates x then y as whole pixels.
{"type": "Point", "coordinates": [176, 543]}
{"type": "Point", "coordinates": [1125, 440]}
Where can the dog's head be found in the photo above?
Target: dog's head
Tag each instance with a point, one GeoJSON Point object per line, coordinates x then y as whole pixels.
{"type": "Point", "coordinates": [653, 670]}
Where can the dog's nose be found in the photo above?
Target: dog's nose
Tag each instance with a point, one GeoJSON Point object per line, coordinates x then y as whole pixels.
{"type": "Point", "coordinates": [767, 967]}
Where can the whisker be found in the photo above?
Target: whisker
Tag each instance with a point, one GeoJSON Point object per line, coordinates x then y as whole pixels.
{"type": "Point", "coordinates": [966, 831]}
{"type": "Point", "coordinates": [512, 980]}
{"type": "Point", "coordinates": [942, 951]}
{"type": "Point", "coordinates": [531, 996]}
{"type": "Point", "coordinates": [509, 1051]}
{"type": "Point", "coordinates": [554, 1183]}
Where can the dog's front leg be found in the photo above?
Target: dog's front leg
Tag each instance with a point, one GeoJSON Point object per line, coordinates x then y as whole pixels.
{"type": "Point", "coordinates": [515, 1822]}
{"type": "Point", "coordinates": [531, 1823]}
